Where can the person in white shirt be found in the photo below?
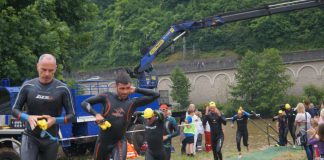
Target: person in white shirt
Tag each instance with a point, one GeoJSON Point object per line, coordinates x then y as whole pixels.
{"type": "Point", "coordinates": [200, 131]}
{"type": "Point", "coordinates": [303, 121]}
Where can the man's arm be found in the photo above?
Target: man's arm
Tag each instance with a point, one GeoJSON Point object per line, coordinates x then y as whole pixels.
{"type": "Point", "coordinates": [205, 119]}
{"type": "Point", "coordinates": [234, 118]}
{"type": "Point", "coordinates": [176, 130]}
{"type": "Point", "coordinates": [89, 102]}
{"type": "Point", "coordinates": [159, 115]}
{"type": "Point", "coordinates": [148, 97]}
{"type": "Point", "coordinates": [69, 108]}
{"type": "Point", "coordinates": [246, 114]}
{"type": "Point", "coordinates": [19, 103]}
{"type": "Point", "coordinates": [222, 119]}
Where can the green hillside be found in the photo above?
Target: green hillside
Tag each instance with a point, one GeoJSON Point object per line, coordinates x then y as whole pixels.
{"type": "Point", "coordinates": [96, 35]}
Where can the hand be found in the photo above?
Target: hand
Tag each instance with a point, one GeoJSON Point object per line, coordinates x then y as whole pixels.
{"type": "Point", "coordinates": [232, 125]}
{"type": "Point", "coordinates": [32, 120]}
{"type": "Point", "coordinates": [50, 120]}
{"type": "Point", "coordinates": [207, 110]}
{"type": "Point", "coordinates": [312, 131]}
{"type": "Point", "coordinates": [99, 118]}
{"type": "Point", "coordinates": [165, 137]}
{"type": "Point", "coordinates": [217, 112]}
{"type": "Point", "coordinates": [132, 89]}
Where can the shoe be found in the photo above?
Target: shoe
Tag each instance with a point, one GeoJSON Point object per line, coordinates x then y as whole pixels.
{"type": "Point", "coordinates": [240, 156]}
{"type": "Point", "coordinates": [294, 146]}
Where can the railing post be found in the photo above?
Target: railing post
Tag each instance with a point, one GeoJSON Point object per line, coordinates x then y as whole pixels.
{"type": "Point", "coordinates": [268, 134]}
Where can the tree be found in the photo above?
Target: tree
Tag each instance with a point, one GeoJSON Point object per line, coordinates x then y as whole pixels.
{"type": "Point", "coordinates": [261, 81]}
{"type": "Point", "coordinates": [180, 87]}
{"type": "Point", "coordinates": [31, 28]}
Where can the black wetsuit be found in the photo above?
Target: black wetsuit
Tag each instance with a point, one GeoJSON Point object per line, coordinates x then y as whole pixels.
{"type": "Point", "coordinates": [217, 135]}
{"type": "Point", "coordinates": [291, 116]}
{"type": "Point", "coordinates": [171, 130]}
{"type": "Point", "coordinates": [118, 113]}
{"type": "Point", "coordinates": [154, 138]}
{"type": "Point", "coordinates": [42, 99]}
{"type": "Point", "coordinates": [283, 130]}
{"type": "Point", "coordinates": [242, 130]}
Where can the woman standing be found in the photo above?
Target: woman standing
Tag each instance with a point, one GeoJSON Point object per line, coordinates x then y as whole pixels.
{"type": "Point", "coordinates": [303, 121]}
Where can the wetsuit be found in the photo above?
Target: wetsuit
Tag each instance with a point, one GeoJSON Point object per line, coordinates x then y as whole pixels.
{"type": "Point", "coordinates": [291, 115]}
{"type": "Point", "coordinates": [283, 130]}
{"type": "Point", "coordinates": [217, 135]}
{"type": "Point", "coordinates": [241, 129]}
{"type": "Point", "coordinates": [48, 99]}
{"type": "Point", "coordinates": [118, 112]}
{"type": "Point", "coordinates": [171, 130]}
{"type": "Point", "coordinates": [154, 138]}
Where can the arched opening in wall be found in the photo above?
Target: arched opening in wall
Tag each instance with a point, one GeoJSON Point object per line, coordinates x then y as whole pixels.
{"type": "Point", "coordinates": [201, 89]}
{"type": "Point", "coordinates": [322, 73]}
{"type": "Point", "coordinates": [221, 86]}
{"type": "Point", "coordinates": [307, 75]}
{"type": "Point", "coordinates": [165, 85]}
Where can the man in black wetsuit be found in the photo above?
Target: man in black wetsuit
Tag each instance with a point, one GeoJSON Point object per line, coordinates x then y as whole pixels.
{"type": "Point", "coordinates": [215, 119]}
{"type": "Point", "coordinates": [241, 118]}
{"type": "Point", "coordinates": [44, 98]}
{"type": "Point", "coordinates": [291, 116]}
{"type": "Point", "coordinates": [154, 127]}
{"type": "Point", "coordinates": [170, 130]}
{"type": "Point", "coordinates": [117, 109]}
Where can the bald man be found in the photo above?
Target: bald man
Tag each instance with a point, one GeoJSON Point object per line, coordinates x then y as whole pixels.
{"type": "Point", "coordinates": [43, 98]}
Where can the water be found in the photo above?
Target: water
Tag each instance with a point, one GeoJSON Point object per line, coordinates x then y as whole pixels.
{"type": "Point", "coordinates": [257, 138]}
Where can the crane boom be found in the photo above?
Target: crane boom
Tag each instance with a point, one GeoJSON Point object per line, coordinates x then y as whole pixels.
{"type": "Point", "coordinates": [144, 71]}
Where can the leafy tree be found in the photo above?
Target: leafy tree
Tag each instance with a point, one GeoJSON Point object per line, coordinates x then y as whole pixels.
{"type": "Point", "coordinates": [261, 81]}
{"type": "Point", "coordinates": [33, 27]}
{"type": "Point", "coordinates": [180, 87]}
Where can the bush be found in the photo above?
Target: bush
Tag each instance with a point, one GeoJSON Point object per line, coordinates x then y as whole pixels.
{"type": "Point", "coordinates": [314, 94]}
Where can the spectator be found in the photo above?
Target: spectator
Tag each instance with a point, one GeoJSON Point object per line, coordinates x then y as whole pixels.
{"type": "Point", "coordinates": [303, 121]}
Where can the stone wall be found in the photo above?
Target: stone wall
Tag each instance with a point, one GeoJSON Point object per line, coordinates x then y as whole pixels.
{"type": "Point", "coordinates": [210, 79]}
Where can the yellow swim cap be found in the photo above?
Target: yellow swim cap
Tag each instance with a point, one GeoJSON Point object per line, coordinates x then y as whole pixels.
{"type": "Point", "coordinates": [148, 113]}
{"type": "Point", "coordinates": [212, 104]}
{"type": "Point", "coordinates": [280, 112]}
{"type": "Point", "coordinates": [287, 106]}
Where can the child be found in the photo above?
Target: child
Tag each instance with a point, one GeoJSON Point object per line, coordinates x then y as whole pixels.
{"type": "Point", "coordinates": [318, 139]}
{"type": "Point", "coordinates": [314, 123]}
{"type": "Point", "coordinates": [200, 131]}
{"type": "Point", "coordinates": [189, 132]}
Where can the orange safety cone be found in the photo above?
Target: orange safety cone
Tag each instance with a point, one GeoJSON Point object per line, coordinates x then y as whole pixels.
{"type": "Point", "coordinates": [131, 153]}
{"type": "Point", "coordinates": [208, 141]}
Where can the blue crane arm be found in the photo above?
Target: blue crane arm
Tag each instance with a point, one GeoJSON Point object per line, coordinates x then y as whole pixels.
{"type": "Point", "coordinates": [181, 29]}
